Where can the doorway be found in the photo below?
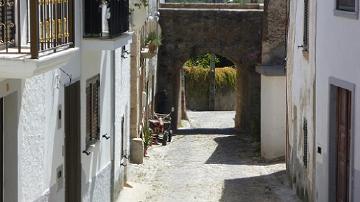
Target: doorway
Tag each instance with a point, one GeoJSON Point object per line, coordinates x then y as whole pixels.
{"type": "Point", "coordinates": [72, 143]}
{"type": "Point", "coordinates": [341, 107]}
{"type": "Point", "coordinates": [9, 148]}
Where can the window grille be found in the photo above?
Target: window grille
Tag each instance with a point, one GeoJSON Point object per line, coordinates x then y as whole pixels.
{"type": "Point", "coordinates": [92, 110]}
{"type": "Point", "coordinates": [305, 131]}
{"type": "Point", "coordinates": [306, 26]}
{"type": "Point", "coordinates": [7, 24]}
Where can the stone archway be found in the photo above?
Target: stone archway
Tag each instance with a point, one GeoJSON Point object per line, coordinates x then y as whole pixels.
{"type": "Point", "coordinates": [232, 33]}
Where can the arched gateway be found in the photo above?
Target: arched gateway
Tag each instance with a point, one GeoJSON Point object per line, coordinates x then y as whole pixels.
{"type": "Point", "coordinates": [230, 31]}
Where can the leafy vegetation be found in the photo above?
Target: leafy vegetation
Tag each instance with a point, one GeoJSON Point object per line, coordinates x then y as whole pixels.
{"type": "Point", "coordinates": [153, 39]}
{"type": "Point", "coordinates": [199, 77]}
{"type": "Point", "coordinates": [204, 61]}
{"type": "Point", "coordinates": [147, 137]}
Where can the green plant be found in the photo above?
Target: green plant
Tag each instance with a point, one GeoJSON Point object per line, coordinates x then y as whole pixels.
{"type": "Point", "coordinates": [142, 3]}
{"type": "Point", "coordinates": [153, 39]}
{"type": "Point", "coordinates": [147, 136]}
{"type": "Point", "coordinates": [202, 61]}
{"type": "Point", "coordinates": [198, 78]}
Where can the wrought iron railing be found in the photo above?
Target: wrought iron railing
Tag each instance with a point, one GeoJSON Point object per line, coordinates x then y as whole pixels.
{"type": "Point", "coordinates": [50, 26]}
{"type": "Point", "coordinates": [106, 18]}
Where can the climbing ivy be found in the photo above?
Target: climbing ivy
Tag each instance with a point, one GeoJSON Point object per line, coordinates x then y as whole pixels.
{"type": "Point", "coordinates": [198, 78]}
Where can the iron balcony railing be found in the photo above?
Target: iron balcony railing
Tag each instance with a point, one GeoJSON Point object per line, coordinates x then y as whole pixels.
{"type": "Point", "coordinates": [49, 26]}
{"type": "Point", "coordinates": [106, 18]}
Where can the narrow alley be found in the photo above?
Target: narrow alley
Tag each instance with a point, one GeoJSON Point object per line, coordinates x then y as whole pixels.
{"type": "Point", "coordinates": [207, 162]}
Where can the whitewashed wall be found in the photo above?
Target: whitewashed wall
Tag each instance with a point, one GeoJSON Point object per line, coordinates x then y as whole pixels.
{"type": "Point", "coordinates": [97, 166]}
{"type": "Point", "coordinates": [122, 109]}
{"type": "Point", "coordinates": [301, 106]}
{"type": "Point", "coordinates": [273, 116]}
{"type": "Point", "coordinates": [40, 139]}
{"type": "Point", "coordinates": [337, 50]}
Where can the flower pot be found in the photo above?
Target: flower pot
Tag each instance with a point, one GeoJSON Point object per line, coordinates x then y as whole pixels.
{"type": "Point", "coordinates": [145, 152]}
{"type": "Point", "coordinates": [152, 48]}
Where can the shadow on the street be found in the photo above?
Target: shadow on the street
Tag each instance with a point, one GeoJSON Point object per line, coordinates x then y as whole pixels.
{"type": "Point", "coordinates": [254, 189]}
{"type": "Point", "coordinates": [206, 131]}
{"type": "Point", "coordinates": [238, 150]}
{"type": "Point", "coordinates": [232, 148]}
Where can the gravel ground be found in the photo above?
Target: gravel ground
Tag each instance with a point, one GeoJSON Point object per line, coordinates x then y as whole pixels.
{"type": "Point", "coordinates": [207, 162]}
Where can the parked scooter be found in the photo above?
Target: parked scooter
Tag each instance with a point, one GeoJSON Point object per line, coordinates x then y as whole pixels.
{"type": "Point", "coordinates": [160, 125]}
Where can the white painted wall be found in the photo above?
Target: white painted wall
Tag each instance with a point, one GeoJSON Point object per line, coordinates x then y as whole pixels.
{"type": "Point", "coordinates": [337, 47]}
{"type": "Point", "coordinates": [41, 140]}
{"type": "Point", "coordinates": [122, 109]}
{"type": "Point", "coordinates": [301, 92]}
{"type": "Point", "coordinates": [273, 116]}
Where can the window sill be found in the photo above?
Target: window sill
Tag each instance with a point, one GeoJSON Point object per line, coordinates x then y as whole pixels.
{"type": "Point", "coordinates": [347, 14]}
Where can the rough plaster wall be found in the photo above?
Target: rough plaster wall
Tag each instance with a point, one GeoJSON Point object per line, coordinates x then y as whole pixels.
{"type": "Point", "coordinates": [301, 106]}
{"type": "Point", "coordinates": [38, 154]}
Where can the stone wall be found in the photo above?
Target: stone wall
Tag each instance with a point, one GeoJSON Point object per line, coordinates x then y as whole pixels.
{"type": "Point", "coordinates": [225, 100]}
{"type": "Point", "coordinates": [189, 32]}
{"type": "Point", "coordinates": [212, 5]}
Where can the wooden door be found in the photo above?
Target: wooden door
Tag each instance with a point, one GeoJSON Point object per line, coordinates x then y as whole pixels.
{"type": "Point", "coordinates": [343, 138]}
{"type": "Point", "coordinates": [72, 143]}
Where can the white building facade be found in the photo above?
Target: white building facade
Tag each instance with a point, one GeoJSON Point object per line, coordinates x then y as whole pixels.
{"type": "Point", "coordinates": [65, 96]}
{"type": "Point", "coordinates": [337, 101]}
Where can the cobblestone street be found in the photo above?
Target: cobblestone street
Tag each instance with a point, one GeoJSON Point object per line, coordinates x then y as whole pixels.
{"type": "Point", "coordinates": [207, 162]}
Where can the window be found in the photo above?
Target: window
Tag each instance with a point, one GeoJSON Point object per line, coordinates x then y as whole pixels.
{"type": "Point", "coordinates": [306, 26]}
{"type": "Point", "coordinates": [305, 131]}
{"type": "Point", "coordinates": [92, 110]}
{"type": "Point", "coordinates": [346, 5]}
{"type": "Point", "coordinates": [7, 24]}
{"type": "Point", "coordinates": [123, 149]}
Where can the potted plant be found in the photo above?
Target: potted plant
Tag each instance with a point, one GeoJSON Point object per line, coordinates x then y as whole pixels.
{"type": "Point", "coordinates": [153, 41]}
{"type": "Point", "coordinates": [147, 138]}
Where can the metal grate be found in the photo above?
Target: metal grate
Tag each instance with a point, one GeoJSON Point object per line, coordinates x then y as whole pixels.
{"type": "Point", "coordinates": [306, 26]}
{"type": "Point", "coordinates": [50, 26]}
{"type": "Point", "coordinates": [92, 110]}
{"type": "Point", "coordinates": [305, 131]}
{"type": "Point", "coordinates": [7, 24]}
{"type": "Point", "coordinates": [53, 23]}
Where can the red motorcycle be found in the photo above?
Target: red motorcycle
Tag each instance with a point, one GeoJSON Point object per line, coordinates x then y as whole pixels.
{"type": "Point", "coordinates": [161, 128]}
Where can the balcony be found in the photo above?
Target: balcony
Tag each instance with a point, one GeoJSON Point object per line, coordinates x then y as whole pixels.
{"type": "Point", "coordinates": [35, 36]}
{"type": "Point", "coordinates": [106, 24]}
